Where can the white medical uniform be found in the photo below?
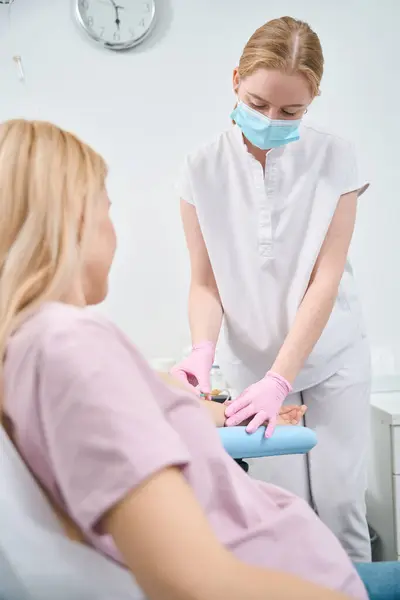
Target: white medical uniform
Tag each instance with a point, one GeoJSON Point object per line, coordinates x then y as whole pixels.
{"type": "Point", "coordinates": [263, 233]}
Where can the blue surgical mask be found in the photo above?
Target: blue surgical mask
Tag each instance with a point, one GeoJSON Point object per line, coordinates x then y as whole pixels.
{"type": "Point", "coordinates": [263, 132]}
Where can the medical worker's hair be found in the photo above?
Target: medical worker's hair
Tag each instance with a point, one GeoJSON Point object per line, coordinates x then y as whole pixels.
{"type": "Point", "coordinates": [286, 44]}
{"type": "Point", "coordinates": [49, 183]}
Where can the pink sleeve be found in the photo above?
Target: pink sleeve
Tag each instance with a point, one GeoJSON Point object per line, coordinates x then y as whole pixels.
{"type": "Point", "coordinates": [105, 431]}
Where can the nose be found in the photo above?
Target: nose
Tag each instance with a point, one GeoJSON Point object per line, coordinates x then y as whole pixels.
{"type": "Point", "coordinates": [272, 113]}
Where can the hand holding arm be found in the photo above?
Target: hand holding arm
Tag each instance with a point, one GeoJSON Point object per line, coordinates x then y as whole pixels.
{"type": "Point", "coordinates": [196, 368]}
{"type": "Point", "coordinates": [288, 415]}
{"type": "Point", "coordinates": [265, 397]}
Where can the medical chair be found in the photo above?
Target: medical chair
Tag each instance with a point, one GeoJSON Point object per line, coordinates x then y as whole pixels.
{"type": "Point", "coordinates": [37, 561]}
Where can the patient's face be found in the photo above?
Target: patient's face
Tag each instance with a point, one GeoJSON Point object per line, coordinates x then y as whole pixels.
{"type": "Point", "coordinates": [99, 253]}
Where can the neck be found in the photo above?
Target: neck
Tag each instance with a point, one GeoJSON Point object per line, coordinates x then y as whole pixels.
{"type": "Point", "coordinates": [75, 295]}
{"type": "Point", "coordinates": [259, 155]}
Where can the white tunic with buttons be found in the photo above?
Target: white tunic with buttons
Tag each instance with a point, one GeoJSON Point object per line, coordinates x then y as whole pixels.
{"type": "Point", "coordinates": [263, 234]}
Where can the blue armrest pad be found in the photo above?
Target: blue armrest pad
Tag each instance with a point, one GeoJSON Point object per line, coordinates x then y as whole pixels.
{"type": "Point", "coordinates": [286, 439]}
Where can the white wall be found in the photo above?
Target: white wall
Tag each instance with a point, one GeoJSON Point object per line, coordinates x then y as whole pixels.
{"type": "Point", "coordinates": [145, 109]}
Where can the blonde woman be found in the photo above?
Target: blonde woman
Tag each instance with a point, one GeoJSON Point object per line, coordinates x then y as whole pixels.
{"type": "Point", "coordinates": [269, 209]}
{"type": "Point", "coordinates": [133, 466]}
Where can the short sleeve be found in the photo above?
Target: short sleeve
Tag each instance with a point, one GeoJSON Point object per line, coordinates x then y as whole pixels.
{"type": "Point", "coordinates": [351, 181]}
{"type": "Point", "coordinates": [183, 184]}
{"type": "Point", "coordinates": [105, 432]}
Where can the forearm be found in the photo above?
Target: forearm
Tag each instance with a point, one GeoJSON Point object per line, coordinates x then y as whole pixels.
{"type": "Point", "coordinates": [234, 580]}
{"type": "Point", "coordinates": [205, 313]}
{"type": "Point", "coordinates": [253, 583]}
{"type": "Point", "coordinates": [310, 321]}
{"type": "Point", "coordinates": [215, 409]}
{"type": "Point", "coordinates": [319, 300]}
{"type": "Point", "coordinates": [144, 527]}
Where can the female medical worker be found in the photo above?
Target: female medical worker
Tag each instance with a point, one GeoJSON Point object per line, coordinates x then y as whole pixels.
{"type": "Point", "coordinates": [268, 210]}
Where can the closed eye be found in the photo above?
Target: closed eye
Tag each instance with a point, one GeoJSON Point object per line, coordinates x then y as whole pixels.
{"type": "Point", "coordinates": [288, 114]}
{"type": "Point", "coordinates": [258, 106]}
{"type": "Point", "coordinates": [263, 107]}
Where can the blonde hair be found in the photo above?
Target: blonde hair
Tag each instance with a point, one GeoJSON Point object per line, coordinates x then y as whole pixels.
{"type": "Point", "coordinates": [288, 45]}
{"type": "Point", "coordinates": [49, 182]}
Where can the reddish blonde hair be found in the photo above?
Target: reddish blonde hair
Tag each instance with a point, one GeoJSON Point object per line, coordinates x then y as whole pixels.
{"type": "Point", "coordinates": [50, 182]}
{"type": "Point", "coordinates": [286, 44]}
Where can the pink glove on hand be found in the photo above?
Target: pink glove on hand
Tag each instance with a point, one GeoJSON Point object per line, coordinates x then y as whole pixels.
{"type": "Point", "coordinates": [196, 368]}
{"type": "Point", "coordinates": [261, 400]}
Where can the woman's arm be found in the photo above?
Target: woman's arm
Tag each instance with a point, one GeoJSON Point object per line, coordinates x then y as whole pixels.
{"type": "Point", "coordinates": [166, 541]}
{"type": "Point", "coordinates": [205, 310]}
{"type": "Point", "coordinates": [216, 410]}
{"type": "Point", "coordinates": [319, 300]}
{"type": "Point", "coordinates": [288, 415]}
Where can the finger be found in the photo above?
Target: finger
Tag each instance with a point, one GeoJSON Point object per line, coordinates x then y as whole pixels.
{"type": "Point", "coordinates": [289, 408]}
{"type": "Point", "coordinates": [296, 418]}
{"type": "Point", "coordinates": [285, 419]}
{"type": "Point", "coordinates": [293, 414]}
{"type": "Point", "coordinates": [270, 427]}
{"type": "Point", "coordinates": [240, 416]}
{"type": "Point", "coordinates": [192, 379]}
{"type": "Point", "coordinates": [192, 389]}
{"type": "Point", "coordinates": [204, 384]}
{"type": "Point", "coordinates": [238, 404]}
{"type": "Point", "coordinates": [286, 409]}
{"type": "Point", "coordinates": [180, 374]}
{"type": "Point", "coordinates": [187, 379]}
{"type": "Point", "coordinates": [255, 423]}
{"type": "Point", "coordinates": [187, 376]}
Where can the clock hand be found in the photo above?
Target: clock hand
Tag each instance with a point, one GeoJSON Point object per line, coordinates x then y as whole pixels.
{"type": "Point", "coordinates": [117, 20]}
{"type": "Point", "coordinates": [115, 5]}
{"type": "Point", "coordinates": [117, 9]}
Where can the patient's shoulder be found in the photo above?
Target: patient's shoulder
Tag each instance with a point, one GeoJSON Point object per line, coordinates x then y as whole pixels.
{"type": "Point", "coordinates": [61, 333]}
{"type": "Point", "coordinates": [56, 322]}
{"type": "Point", "coordinates": [57, 318]}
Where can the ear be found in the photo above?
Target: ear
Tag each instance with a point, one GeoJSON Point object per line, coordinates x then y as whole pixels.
{"type": "Point", "coordinates": [236, 80]}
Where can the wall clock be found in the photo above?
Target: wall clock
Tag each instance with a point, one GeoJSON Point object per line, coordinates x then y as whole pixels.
{"type": "Point", "coordinates": [116, 24]}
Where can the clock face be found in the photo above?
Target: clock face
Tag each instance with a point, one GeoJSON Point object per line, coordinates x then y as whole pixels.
{"type": "Point", "coordinates": [116, 24]}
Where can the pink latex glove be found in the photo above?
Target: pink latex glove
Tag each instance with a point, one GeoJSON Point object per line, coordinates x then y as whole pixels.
{"type": "Point", "coordinates": [196, 368]}
{"type": "Point", "coordinates": [261, 400]}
